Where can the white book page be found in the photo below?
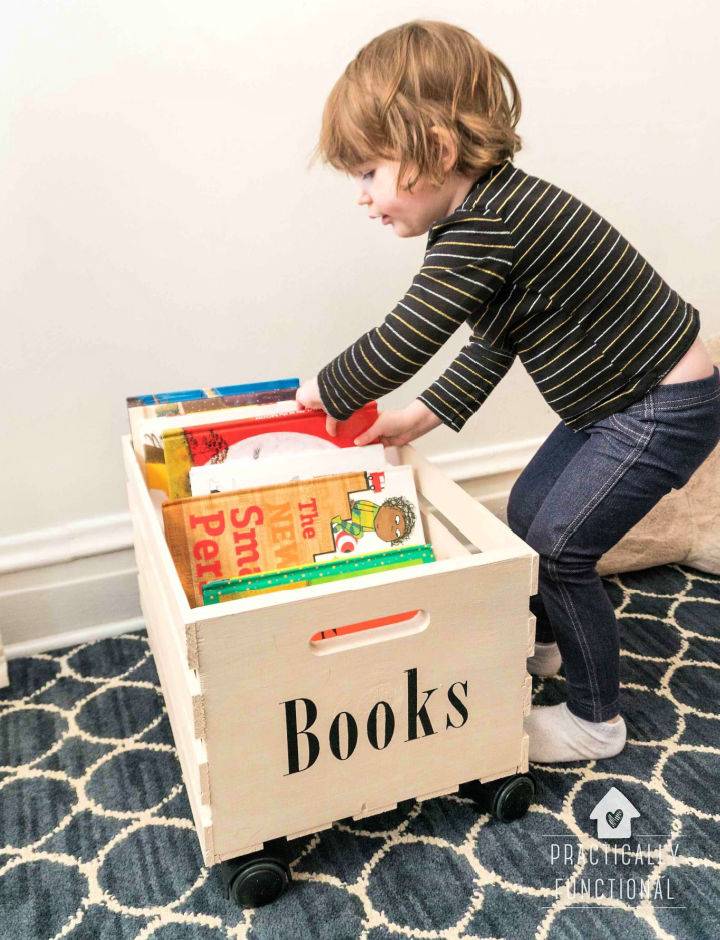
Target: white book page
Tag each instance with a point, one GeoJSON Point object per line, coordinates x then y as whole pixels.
{"type": "Point", "coordinates": [244, 472]}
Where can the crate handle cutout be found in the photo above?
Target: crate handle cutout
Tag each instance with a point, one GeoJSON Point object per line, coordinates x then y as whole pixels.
{"type": "Point", "coordinates": [366, 632]}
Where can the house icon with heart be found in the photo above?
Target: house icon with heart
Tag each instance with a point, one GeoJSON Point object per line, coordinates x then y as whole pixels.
{"type": "Point", "coordinates": [614, 815]}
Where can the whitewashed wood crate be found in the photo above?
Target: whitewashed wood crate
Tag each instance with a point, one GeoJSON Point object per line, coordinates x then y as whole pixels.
{"type": "Point", "coordinates": [236, 677]}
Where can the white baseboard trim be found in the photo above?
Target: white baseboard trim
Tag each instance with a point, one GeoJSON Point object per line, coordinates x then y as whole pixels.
{"type": "Point", "coordinates": [82, 574]}
{"type": "Point", "coordinates": [73, 638]}
{"type": "Point", "coordinates": [41, 608]}
{"type": "Point", "coordinates": [81, 539]}
{"type": "Point", "coordinates": [482, 462]}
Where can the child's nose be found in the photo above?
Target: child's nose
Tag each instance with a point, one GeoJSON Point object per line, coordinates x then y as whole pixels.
{"type": "Point", "coordinates": [364, 199]}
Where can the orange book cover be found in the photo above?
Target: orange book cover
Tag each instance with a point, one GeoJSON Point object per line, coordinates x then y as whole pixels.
{"type": "Point", "coordinates": [227, 535]}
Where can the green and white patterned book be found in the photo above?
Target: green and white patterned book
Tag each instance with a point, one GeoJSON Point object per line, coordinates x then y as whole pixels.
{"type": "Point", "coordinates": [230, 589]}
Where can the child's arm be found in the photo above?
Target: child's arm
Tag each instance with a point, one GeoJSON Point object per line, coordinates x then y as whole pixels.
{"type": "Point", "coordinates": [467, 261]}
{"type": "Point", "coordinates": [468, 381]}
{"type": "Point", "coordinates": [391, 427]}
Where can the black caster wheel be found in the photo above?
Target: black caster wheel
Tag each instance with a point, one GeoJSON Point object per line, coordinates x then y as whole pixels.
{"type": "Point", "coordinates": [259, 883]}
{"type": "Point", "coordinates": [258, 878]}
{"type": "Point", "coordinates": [506, 799]}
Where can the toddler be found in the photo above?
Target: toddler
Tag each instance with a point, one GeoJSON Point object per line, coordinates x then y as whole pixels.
{"type": "Point", "coordinates": [424, 118]}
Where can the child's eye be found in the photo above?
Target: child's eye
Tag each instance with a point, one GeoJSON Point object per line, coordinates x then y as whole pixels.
{"type": "Point", "coordinates": [367, 175]}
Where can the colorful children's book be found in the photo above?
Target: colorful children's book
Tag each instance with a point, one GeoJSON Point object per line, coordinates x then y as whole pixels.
{"type": "Point", "coordinates": [227, 535]}
{"type": "Point", "coordinates": [216, 592]}
{"type": "Point", "coordinates": [244, 391]}
{"type": "Point", "coordinates": [142, 408]}
{"type": "Point", "coordinates": [261, 470]}
{"type": "Point", "coordinates": [275, 435]}
{"type": "Point", "coordinates": [152, 430]}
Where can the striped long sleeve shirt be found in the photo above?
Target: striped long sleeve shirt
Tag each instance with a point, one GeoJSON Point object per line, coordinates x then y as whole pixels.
{"type": "Point", "coordinates": [535, 273]}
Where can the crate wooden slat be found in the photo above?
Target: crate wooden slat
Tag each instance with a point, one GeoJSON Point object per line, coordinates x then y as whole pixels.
{"type": "Point", "coordinates": [234, 676]}
{"type": "Point", "coordinates": [181, 688]}
{"type": "Point", "coordinates": [470, 517]}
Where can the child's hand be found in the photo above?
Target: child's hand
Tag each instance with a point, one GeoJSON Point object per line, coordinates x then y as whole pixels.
{"type": "Point", "coordinates": [308, 395]}
{"type": "Point", "coordinates": [395, 428]}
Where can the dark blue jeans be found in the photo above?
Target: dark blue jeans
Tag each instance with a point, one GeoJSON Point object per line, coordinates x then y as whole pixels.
{"type": "Point", "coordinates": [581, 492]}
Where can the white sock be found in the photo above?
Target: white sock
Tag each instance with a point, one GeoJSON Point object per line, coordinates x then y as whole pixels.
{"type": "Point", "coordinates": [546, 661]}
{"type": "Point", "coordinates": [558, 735]}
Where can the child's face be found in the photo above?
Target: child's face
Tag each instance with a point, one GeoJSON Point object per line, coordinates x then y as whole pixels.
{"type": "Point", "coordinates": [409, 213]}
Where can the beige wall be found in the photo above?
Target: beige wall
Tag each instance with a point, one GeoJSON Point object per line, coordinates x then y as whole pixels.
{"type": "Point", "coordinates": [160, 228]}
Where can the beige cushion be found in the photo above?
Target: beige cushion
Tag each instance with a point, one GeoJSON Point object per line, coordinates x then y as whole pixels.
{"type": "Point", "coordinates": [683, 527]}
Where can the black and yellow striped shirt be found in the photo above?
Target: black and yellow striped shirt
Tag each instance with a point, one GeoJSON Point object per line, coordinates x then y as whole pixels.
{"type": "Point", "coordinates": [535, 273]}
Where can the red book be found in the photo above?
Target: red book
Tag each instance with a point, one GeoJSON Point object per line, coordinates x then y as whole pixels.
{"type": "Point", "coordinates": [274, 435]}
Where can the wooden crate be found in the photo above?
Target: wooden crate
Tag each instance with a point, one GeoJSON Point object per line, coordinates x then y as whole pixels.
{"type": "Point", "coordinates": [252, 700]}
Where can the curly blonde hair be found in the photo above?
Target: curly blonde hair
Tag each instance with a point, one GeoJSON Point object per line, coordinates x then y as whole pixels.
{"type": "Point", "coordinates": [411, 82]}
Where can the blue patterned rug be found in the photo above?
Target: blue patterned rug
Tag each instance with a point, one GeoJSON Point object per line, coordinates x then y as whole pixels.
{"type": "Point", "coordinates": [96, 837]}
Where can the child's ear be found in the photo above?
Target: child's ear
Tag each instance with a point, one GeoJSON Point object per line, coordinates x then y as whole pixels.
{"type": "Point", "coordinates": [448, 147]}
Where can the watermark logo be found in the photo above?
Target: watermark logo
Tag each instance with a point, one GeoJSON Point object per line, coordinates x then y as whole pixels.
{"type": "Point", "coordinates": [614, 815]}
{"type": "Point", "coordinates": [586, 872]}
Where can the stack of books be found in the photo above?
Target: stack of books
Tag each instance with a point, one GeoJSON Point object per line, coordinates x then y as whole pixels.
{"type": "Point", "coordinates": [255, 496]}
